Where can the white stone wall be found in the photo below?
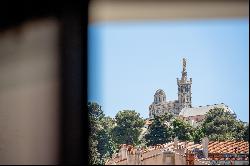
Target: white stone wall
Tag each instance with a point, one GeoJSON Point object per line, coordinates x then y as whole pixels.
{"type": "Point", "coordinates": [163, 107]}
{"type": "Point", "coordinates": [29, 93]}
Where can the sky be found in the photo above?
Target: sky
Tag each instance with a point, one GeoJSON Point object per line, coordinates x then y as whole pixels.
{"type": "Point", "coordinates": [129, 61]}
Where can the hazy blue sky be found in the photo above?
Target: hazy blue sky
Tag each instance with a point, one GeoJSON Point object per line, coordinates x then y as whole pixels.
{"type": "Point", "coordinates": [129, 61]}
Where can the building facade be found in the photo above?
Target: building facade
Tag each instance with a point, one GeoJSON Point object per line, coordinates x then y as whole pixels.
{"type": "Point", "coordinates": [160, 105]}
{"type": "Point", "coordinates": [183, 106]}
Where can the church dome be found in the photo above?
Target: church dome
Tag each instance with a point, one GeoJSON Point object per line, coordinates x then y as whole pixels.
{"type": "Point", "coordinates": [160, 92]}
{"type": "Point", "coordinates": [159, 96]}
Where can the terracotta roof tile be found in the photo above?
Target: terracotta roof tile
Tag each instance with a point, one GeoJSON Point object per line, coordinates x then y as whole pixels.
{"type": "Point", "coordinates": [228, 147]}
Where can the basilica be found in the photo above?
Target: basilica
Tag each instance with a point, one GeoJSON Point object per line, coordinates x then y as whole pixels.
{"type": "Point", "coordinates": [181, 107]}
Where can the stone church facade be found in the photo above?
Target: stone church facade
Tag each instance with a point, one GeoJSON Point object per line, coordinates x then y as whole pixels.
{"type": "Point", "coordinates": [160, 105]}
{"type": "Point", "coordinates": [183, 106]}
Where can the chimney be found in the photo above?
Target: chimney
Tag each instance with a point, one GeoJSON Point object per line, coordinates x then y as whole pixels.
{"type": "Point", "coordinates": [175, 142]}
{"type": "Point", "coordinates": [205, 147]}
{"type": "Point", "coordinates": [124, 152]}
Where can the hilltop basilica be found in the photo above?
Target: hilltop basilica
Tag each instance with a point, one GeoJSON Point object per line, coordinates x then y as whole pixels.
{"type": "Point", "coordinates": [183, 105]}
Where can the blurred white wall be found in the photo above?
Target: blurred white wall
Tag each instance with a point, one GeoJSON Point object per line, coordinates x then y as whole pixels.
{"type": "Point", "coordinates": [29, 93]}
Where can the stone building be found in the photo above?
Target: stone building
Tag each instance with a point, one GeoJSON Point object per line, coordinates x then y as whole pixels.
{"type": "Point", "coordinates": [160, 105]}
{"type": "Point", "coordinates": [183, 106]}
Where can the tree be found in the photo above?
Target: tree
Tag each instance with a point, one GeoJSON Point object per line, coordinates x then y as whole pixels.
{"type": "Point", "coordinates": [94, 155]}
{"type": "Point", "coordinates": [198, 134]}
{"type": "Point", "coordinates": [222, 125]}
{"type": "Point", "coordinates": [167, 117]}
{"type": "Point", "coordinates": [182, 129]}
{"type": "Point", "coordinates": [246, 133]}
{"type": "Point", "coordinates": [239, 130]}
{"type": "Point", "coordinates": [95, 113]}
{"type": "Point", "coordinates": [128, 127]}
{"type": "Point", "coordinates": [101, 145]}
{"type": "Point", "coordinates": [106, 146]}
{"type": "Point", "coordinates": [158, 132]}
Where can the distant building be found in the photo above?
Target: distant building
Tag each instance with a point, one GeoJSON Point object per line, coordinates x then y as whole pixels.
{"type": "Point", "coordinates": [183, 106]}
{"type": "Point", "coordinates": [196, 114]}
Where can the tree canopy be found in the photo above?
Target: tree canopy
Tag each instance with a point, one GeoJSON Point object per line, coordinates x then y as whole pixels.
{"type": "Point", "coordinates": [101, 144]}
{"type": "Point", "coordinates": [158, 132]}
{"type": "Point", "coordinates": [95, 113]}
{"type": "Point", "coordinates": [128, 127]}
{"type": "Point", "coordinates": [182, 130]}
{"type": "Point", "coordinates": [222, 125]}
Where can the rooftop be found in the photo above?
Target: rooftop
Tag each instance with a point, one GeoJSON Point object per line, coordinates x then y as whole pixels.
{"type": "Point", "coordinates": [202, 110]}
{"type": "Point", "coordinates": [228, 147]}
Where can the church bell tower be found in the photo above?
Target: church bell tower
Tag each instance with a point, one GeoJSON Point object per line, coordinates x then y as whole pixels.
{"type": "Point", "coordinates": [184, 88]}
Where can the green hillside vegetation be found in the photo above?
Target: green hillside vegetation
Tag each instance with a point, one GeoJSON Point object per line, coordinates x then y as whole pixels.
{"type": "Point", "coordinates": [106, 133]}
